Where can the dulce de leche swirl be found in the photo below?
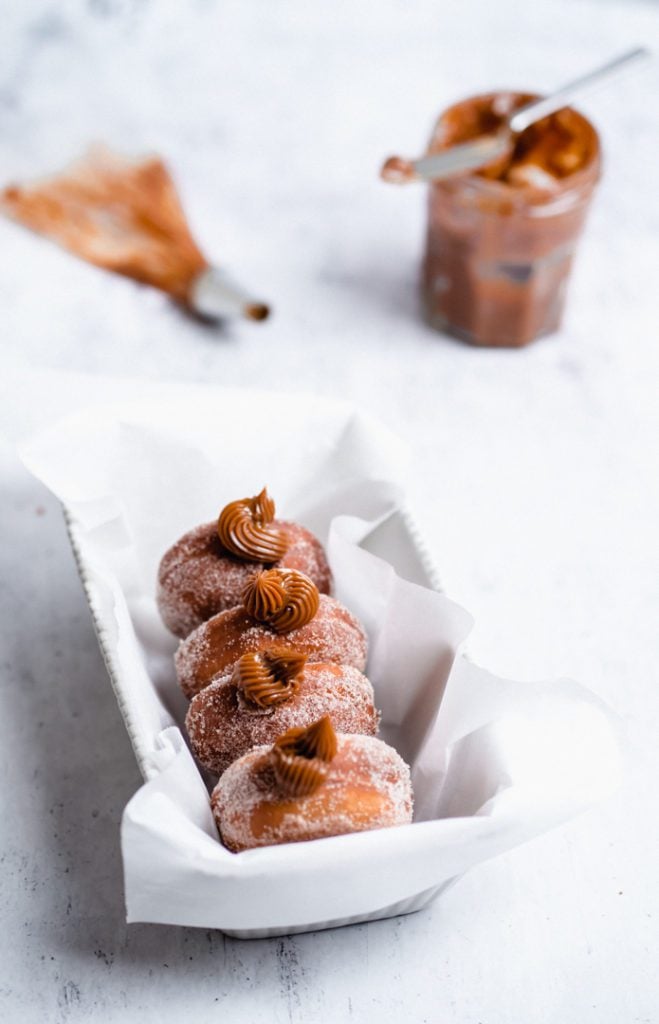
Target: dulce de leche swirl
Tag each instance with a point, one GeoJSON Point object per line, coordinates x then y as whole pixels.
{"type": "Point", "coordinates": [284, 599]}
{"type": "Point", "coordinates": [300, 758]}
{"type": "Point", "coordinates": [269, 677]}
{"type": "Point", "coordinates": [245, 529]}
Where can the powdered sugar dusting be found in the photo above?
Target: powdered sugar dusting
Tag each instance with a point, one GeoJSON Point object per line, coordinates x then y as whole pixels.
{"type": "Point", "coordinates": [367, 786]}
{"type": "Point", "coordinates": [222, 725]}
{"type": "Point", "coordinates": [198, 578]}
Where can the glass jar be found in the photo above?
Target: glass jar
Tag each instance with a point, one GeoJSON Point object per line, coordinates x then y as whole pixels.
{"type": "Point", "coordinates": [500, 243]}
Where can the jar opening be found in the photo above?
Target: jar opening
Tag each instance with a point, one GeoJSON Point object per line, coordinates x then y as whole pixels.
{"type": "Point", "coordinates": [548, 167]}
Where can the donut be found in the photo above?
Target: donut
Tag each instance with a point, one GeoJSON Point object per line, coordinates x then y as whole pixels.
{"type": "Point", "coordinates": [268, 693]}
{"type": "Point", "coordinates": [311, 783]}
{"type": "Point", "coordinates": [206, 570]}
{"type": "Point", "coordinates": [281, 608]}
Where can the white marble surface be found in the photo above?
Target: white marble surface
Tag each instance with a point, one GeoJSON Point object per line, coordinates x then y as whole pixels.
{"type": "Point", "coordinates": [535, 481]}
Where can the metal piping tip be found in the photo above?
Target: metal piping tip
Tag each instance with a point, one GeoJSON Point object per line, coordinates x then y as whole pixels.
{"type": "Point", "coordinates": [215, 295]}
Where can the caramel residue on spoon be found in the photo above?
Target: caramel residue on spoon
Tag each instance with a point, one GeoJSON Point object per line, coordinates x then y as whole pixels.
{"type": "Point", "coordinates": [270, 677]}
{"type": "Point", "coordinates": [300, 758]}
{"type": "Point", "coordinates": [397, 170]}
{"type": "Point", "coordinates": [245, 529]}
{"type": "Point", "coordinates": [283, 599]}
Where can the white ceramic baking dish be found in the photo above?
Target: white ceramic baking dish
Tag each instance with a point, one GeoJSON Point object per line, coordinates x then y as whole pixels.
{"type": "Point", "coordinates": [413, 560]}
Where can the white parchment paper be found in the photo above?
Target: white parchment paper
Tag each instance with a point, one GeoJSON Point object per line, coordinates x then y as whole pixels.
{"type": "Point", "coordinates": [493, 762]}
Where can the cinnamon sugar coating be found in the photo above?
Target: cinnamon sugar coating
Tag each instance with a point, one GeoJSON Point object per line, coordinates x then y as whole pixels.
{"type": "Point", "coordinates": [334, 634]}
{"type": "Point", "coordinates": [367, 787]}
{"type": "Point", "coordinates": [198, 578]}
{"type": "Point", "coordinates": [223, 725]}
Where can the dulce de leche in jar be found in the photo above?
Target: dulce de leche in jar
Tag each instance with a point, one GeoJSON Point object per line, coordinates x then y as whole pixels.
{"type": "Point", "coordinates": [501, 240]}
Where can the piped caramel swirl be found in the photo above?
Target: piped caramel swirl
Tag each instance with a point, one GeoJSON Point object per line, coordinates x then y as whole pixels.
{"type": "Point", "coordinates": [245, 529]}
{"type": "Point", "coordinates": [284, 599]}
{"type": "Point", "coordinates": [300, 758]}
{"type": "Point", "coordinates": [269, 677]}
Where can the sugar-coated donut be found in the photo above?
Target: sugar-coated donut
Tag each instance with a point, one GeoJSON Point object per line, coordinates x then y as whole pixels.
{"type": "Point", "coordinates": [268, 693]}
{"type": "Point", "coordinates": [275, 613]}
{"type": "Point", "coordinates": [206, 570]}
{"type": "Point", "coordinates": [310, 784]}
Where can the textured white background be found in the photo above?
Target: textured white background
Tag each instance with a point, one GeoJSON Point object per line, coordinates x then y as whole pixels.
{"type": "Point", "coordinates": [275, 117]}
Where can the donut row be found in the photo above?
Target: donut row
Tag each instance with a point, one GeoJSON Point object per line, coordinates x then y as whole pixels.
{"type": "Point", "coordinates": [273, 667]}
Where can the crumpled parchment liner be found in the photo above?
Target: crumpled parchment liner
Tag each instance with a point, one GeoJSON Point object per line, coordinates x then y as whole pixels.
{"type": "Point", "coordinates": [494, 762]}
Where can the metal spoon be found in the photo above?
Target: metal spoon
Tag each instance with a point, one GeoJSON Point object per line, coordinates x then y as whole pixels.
{"type": "Point", "coordinates": [488, 148]}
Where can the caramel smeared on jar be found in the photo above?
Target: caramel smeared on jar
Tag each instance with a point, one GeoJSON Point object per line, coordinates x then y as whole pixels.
{"type": "Point", "coordinates": [269, 677]}
{"type": "Point", "coordinates": [284, 599]}
{"type": "Point", "coordinates": [300, 758]}
{"type": "Point", "coordinates": [245, 529]}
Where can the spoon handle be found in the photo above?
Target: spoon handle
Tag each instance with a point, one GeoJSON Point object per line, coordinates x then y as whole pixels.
{"type": "Point", "coordinates": [538, 109]}
{"type": "Point", "coordinates": [466, 157]}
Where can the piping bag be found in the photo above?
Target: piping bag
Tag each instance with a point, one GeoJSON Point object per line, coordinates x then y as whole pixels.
{"type": "Point", "coordinates": [125, 215]}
